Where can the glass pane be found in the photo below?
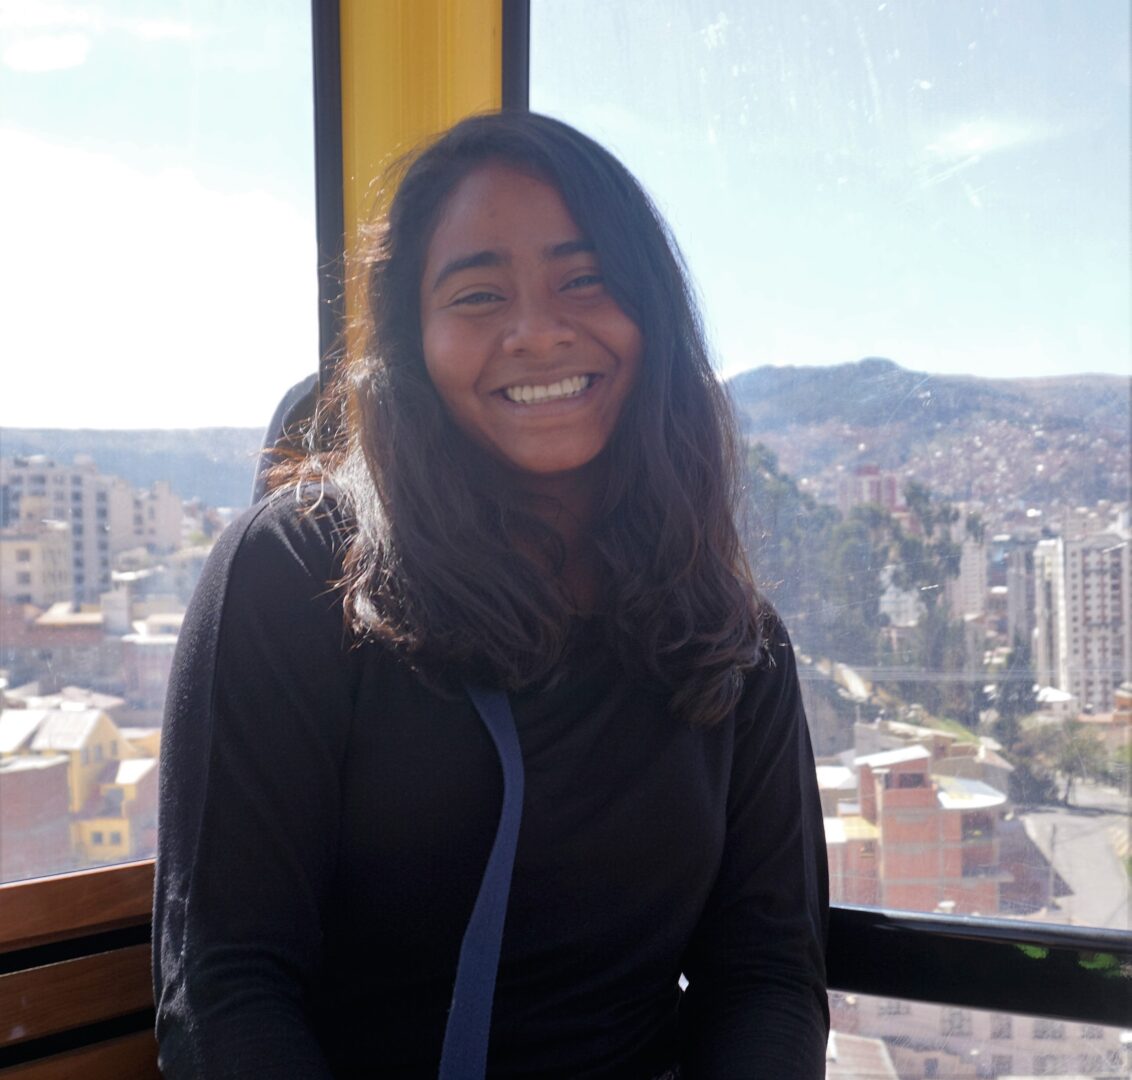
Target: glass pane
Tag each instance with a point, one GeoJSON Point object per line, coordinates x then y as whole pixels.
{"type": "Point", "coordinates": [890, 1037]}
{"type": "Point", "coordinates": [159, 273]}
{"type": "Point", "coordinates": [909, 224]}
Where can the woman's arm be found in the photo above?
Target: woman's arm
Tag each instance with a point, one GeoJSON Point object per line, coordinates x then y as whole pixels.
{"type": "Point", "coordinates": [257, 712]}
{"type": "Point", "coordinates": [756, 1003]}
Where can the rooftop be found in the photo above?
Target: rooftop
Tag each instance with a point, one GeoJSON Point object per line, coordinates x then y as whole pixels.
{"type": "Point", "coordinates": [132, 770]}
{"type": "Point", "coordinates": [836, 778]}
{"type": "Point", "coordinates": [894, 757]}
{"type": "Point", "coordinates": [17, 726]}
{"type": "Point", "coordinates": [854, 1056]}
{"type": "Point", "coordinates": [962, 793]}
{"type": "Point", "coordinates": [28, 762]}
{"type": "Point", "coordinates": [66, 730]}
{"type": "Point", "coordinates": [840, 830]}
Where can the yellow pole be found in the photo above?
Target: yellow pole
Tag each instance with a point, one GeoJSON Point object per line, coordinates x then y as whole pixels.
{"type": "Point", "coordinates": [410, 69]}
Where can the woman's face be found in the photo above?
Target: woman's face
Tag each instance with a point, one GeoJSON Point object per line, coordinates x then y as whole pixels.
{"type": "Point", "coordinates": [529, 352]}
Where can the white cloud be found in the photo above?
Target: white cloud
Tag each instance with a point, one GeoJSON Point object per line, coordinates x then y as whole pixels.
{"type": "Point", "coordinates": [46, 52]}
{"type": "Point", "coordinates": [976, 138]}
{"type": "Point", "coordinates": [43, 15]}
{"type": "Point", "coordinates": [31, 27]}
{"type": "Point", "coordinates": [146, 299]}
{"type": "Point", "coordinates": [159, 29]}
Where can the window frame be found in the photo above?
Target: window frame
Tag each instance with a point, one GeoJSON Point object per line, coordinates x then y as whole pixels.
{"type": "Point", "coordinates": [1069, 973]}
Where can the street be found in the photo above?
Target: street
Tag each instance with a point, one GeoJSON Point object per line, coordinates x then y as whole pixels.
{"type": "Point", "coordinates": [1087, 843]}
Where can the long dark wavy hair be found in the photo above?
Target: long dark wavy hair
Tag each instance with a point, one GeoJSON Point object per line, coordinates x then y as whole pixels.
{"type": "Point", "coordinates": [446, 561]}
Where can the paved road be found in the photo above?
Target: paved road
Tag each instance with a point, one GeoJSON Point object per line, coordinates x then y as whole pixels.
{"type": "Point", "coordinates": [1084, 842]}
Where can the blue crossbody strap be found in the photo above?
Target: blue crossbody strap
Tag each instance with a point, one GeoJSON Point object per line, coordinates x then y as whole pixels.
{"type": "Point", "coordinates": [464, 1056]}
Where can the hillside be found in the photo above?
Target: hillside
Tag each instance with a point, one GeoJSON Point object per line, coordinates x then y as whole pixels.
{"type": "Point", "coordinates": [1047, 441]}
{"type": "Point", "coordinates": [213, 464]}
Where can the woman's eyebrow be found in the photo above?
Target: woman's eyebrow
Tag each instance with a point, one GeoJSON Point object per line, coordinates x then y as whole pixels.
{"type": "Point", "coordinates": [567, 248]}
{"type": "Point", "coordinates": [497, 258]}
{"type": "Point", "coordinates": [469, 262]}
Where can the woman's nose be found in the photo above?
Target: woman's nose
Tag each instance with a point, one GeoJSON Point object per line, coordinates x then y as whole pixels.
{"type": "Point", "coordinates": [538, 330]}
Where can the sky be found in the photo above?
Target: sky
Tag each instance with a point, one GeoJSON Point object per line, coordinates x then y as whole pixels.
{"type": "Point", "coordinates": [942, 182]}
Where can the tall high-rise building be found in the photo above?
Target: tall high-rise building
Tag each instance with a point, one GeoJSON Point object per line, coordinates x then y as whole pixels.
{"type": "Point", "coordinates": [76, 494]}
{"type": "Point", "coordinates": [1083, 615]}
{"type": "Point", "coordinates": [104, 513]}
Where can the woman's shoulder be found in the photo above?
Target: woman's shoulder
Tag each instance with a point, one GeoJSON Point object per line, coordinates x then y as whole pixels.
{"type": "Point", "coordinates": [285, 550]}
{"type": "Point", "coordinates": [291, 527]}
{"type": "Point", "coordinates": [772, 683]}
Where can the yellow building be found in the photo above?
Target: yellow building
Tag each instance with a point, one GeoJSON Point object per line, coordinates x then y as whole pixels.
{"type": "Point", "coordinates": [111, 784]}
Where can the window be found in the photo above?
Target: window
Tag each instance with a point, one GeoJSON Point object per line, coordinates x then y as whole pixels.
{"type": "Point", "coordinates": [1002, 1027]}
{"type": "Point", "coordinates": [96, 837]}
{"type": "Point", "coordinates": [784, 143]}
{"type": "Point", "coordinates": [931, 1067]}
{"type": "Point", "coordinates": [794, 148]}
{"type": "Point", "coordinates": [893, 1007]}
{"type": "Point", "coordinates": [955, 1022]}
{"type": "Point", "coordinates": [115, 838]}
{"type": "Point", "coordinates": [1092, 1031]}
{"type": "Point", "coordinates": [186, 103]}
{"type": "Point", "coordinates": [964, 1042]}
{"type": "Point", "coordinates": [23, 555]}
{"type": "Point", "coordinates": [1048, 1029]}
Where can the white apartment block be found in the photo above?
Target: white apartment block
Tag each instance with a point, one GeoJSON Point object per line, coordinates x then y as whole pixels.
{"type": "Point", "coordinates": [105, 515]}
{"type": "Point", "coordinates": [1020, 593]}
{"type": "Point", "coordinates": [35, 563]}
{"type": "Point", "coordinates": [1083, 615]}
{"type": "Point", "coordinates": [967, 593]}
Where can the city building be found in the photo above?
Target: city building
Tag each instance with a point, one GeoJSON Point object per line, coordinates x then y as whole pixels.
{"type": "Point", "coordinates": [869, 485]}
{"type": "Point", "coordinates": [929, 1040]}
{"type": "Point", "coordinates": [916, 826]}
{"type": "Point", "coordinates": [967, 592]}
{"type": "Point", "coordinates": [35, 562]}
{"type": "Point", "coordinates": [104, 514]}
{"type": "Point", "coordinates": [74, 791]}
{"type": "Point", "coordinates": [1083, 615]}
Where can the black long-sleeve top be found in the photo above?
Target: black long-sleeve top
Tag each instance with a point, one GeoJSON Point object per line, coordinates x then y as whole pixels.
{"type": "Point", "coordinates": [326, 817]}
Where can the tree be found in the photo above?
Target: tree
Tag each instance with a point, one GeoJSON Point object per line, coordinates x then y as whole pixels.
{"type": "Point", "coordinates": [1015, 693]}
{"type": "Point", "coordinates": [1046, 752]}
{"type": "Point", "coordinates": [1080, 754]}
{"type": "Point", "coordinates": [1033, 780]}
{"type": "Point", "coordinates": [927, 558]}
{"type": "Point", "coordinates": [787, 533]}
{"type": "Point", "coordinates": [856, 560]}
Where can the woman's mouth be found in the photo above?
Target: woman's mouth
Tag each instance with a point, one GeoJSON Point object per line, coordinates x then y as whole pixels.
{"type": "Point", "coordinates": [538, 394]}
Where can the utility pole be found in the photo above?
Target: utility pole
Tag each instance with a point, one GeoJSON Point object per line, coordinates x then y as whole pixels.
{"type": "Point", "coordinates": [1050, 903]}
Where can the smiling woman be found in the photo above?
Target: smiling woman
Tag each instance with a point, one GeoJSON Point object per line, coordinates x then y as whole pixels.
{"type": "Point", "coordinates": [529, 490]}
{"type": "Point", "coordinates": [529, 352]}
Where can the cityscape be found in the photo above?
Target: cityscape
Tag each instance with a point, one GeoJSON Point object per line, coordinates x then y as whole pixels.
{"type": "Point", "coordinates": [966, 666]}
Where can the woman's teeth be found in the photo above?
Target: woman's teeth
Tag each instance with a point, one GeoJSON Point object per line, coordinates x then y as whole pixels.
{"type": "Point", "coordinates": [565, 388]}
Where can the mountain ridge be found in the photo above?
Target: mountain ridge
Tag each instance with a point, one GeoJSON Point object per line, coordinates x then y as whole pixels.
{"type": "Point", "coordinates": [967, 436]}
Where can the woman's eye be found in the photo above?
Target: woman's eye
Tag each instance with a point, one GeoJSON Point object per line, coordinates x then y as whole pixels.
{"type": "Point", "coordinates": [585, 281]}
{"type": "Point", "coordinates": [475, 299]}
